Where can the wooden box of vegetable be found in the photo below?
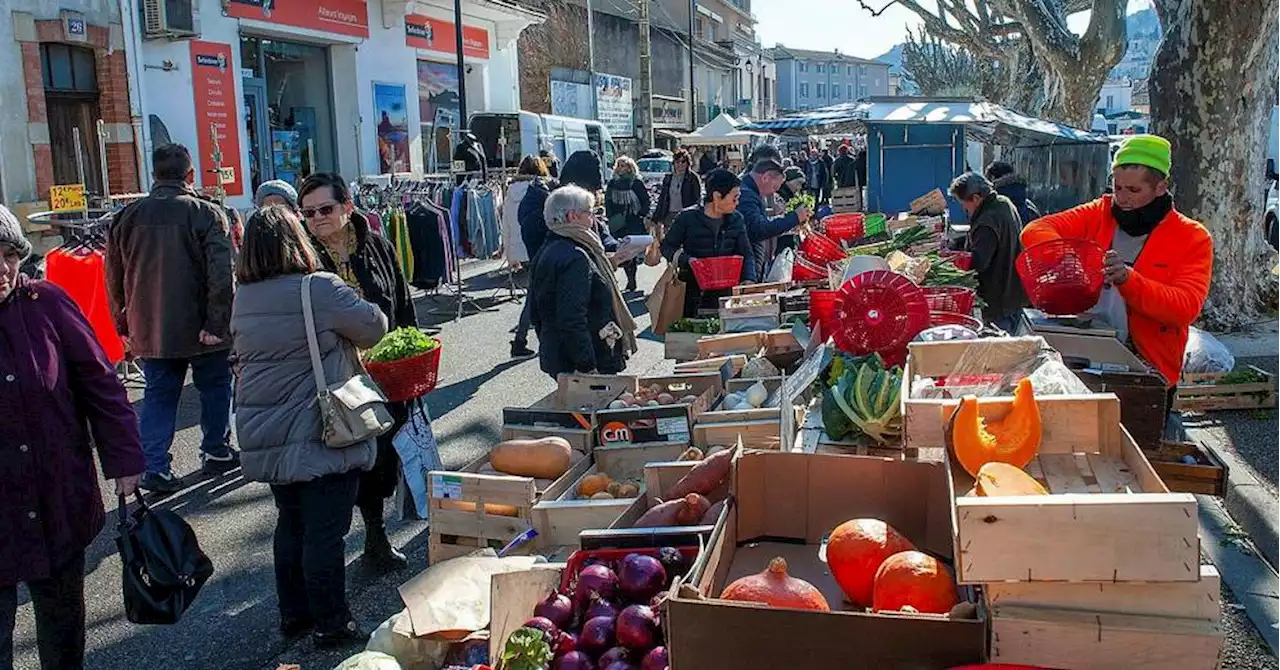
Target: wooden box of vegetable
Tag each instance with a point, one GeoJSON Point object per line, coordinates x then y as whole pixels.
{"type": "Point", "coordinates": [1246, 387]}
{"type": "Point", "coordinates": [680, 343]}
{"type": "Point", "coordinates": [600, 494]}
{"type": "Point", "coordinates": [1188, 467]}
{"type": "Point", "coordinates": [672, 482]}
{"type": "Point", "coordinates": [785, 507]}
{"type": "Point", "coordinates": [569, 411]}
{"type": "Point", "coordinates": [662, 410]}
{"type": "Point", "coordinates": [1054, 489]}
{"type": "Point", "coordinates": [746, 313]}
{"type": "Point", "coordinates": [757, 424]}
{"type": "Point", "coordinates": [749, 344]}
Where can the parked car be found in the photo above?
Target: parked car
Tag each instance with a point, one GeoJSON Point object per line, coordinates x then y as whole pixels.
{"type": "Point", "coordinates": [654, 169]}
{"type": "Point", "coordinates": [1271, 219]}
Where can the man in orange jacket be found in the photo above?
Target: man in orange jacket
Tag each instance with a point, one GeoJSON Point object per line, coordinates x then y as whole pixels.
{"type": "Point", "coordinates": [1158, 262]}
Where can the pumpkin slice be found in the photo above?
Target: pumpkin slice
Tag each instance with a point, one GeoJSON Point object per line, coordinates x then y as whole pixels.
{"type": "Point", "coordinates": [1002, 479]}
{"type": "Point", "coordinates": [1015, 439]}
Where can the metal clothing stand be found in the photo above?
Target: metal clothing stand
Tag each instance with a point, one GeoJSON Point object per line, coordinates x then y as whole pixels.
{"type": "Point", "coordinates": [513, 292]}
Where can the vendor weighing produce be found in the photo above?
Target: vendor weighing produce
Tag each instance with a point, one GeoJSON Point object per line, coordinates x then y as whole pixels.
{"type": "Point", "coordinates": [1158, 262]}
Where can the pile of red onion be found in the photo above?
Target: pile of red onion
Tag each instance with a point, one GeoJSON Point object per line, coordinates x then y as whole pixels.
{"type": "Point", "coordinates": [610, 621]}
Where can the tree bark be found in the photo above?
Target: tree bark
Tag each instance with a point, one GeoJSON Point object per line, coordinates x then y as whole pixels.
{"type": "Point", "coordinates": [1213, 86]}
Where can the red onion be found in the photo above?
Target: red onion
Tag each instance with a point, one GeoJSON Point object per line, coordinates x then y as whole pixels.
{"type": "Point", "coordinates": [557, 608]}
{"type": "Point", "coordinates": [656, 659]}
{"type": "Point", "coordinates": [596, 635]}
{"type": "Point", "coordinates": [545, 625]}
{"type": "Point", "coordinates": [595, 579]}
{"type": "Point", "coordinates": [574, 660]}
{"type": "Point", "coordinates": [600, 607]}
{"type": "Point", "coordinates": [566, 643]}
{"type": "Point", "coordinates": [637, 628]}
{"type": "Point", "coordinates": [615, 655]}
{"type": "Point", "coordinates": [618, 665]}
{"type": "Point", "coordinates": [641, 576]}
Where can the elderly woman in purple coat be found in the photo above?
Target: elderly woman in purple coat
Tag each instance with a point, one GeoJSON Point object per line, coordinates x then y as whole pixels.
{"type": "Point", "coordinates": [56, 390]}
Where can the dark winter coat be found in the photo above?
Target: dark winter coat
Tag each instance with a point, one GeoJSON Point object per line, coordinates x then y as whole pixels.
{"type": "Point", "coordinates": [169, 270]}
{"type": "Point", "coordinates": [533, 225]}
{"type": "Point", "coordinates": [690, 195]}
{"type": "Point", "coordinates": [634, 224]}
{"type": "Point", "coordinates": [472, 155]}
{"type": "Point", "coordinates": [571, 302]}
{"type": "Point", "coordinates": [694, 235]}
{"type": "Point", "coordinates": [994, 231]}
{"type": "Point", "coordinates": [845, 171]}
{"type": "Point", "coordinates": [1014, 188]}
{"type": "Point", "coordinates": [56, 390]}
{"type": "Point", "coordinates": [760, 228]}
{"type": "Point", "coordinates": [378, 271]}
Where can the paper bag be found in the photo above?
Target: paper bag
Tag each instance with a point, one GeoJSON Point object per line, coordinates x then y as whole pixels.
{"type": "Point", "coordinates": [666, 303]}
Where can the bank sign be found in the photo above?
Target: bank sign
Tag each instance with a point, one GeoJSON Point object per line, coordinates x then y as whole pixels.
{"type": "Point", "coordinates": [344, 17]}
{"type": "Point", "coordinates": [215, 91]}
{"type": "Point", "coordinates": [424, 32]}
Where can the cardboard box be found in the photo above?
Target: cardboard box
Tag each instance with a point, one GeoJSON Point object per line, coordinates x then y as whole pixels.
{"type": "Point", "coordinates": [784, 505]}
{"type": "Point", "coordinates": [567, 412]}
{"type": "Point", "coordinates": [670, 424]}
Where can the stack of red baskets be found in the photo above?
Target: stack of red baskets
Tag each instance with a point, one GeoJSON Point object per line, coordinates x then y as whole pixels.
{"type": "Point", "coordinates": [942, 318]}
{"type": "Point", "coordinates": [803, 270]}
{"type": "Point", "coordinates": [717, 273]}
{"type": "Point", "coordinates": [820, 249]}
{"type": "Point", "coordinates": [956, 299]}
{"type": "Point", "coordinates": [407, 378]}
{"type": "Point", "coordinates": [1062, 276]}
{"type": "Point", "coordinates": [844, 227]}
{"type": "Point", "coordinates": [822, 309]}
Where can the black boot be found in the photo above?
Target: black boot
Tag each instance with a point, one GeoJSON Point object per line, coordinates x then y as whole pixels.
{"type": "Point", "coordinates": [377, 547]}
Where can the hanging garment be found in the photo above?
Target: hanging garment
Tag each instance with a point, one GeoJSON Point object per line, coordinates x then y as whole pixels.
{"type": "Point", "coordinates": [403, 246]}
{"type": "Point", "coordinates": [83, 276]}
{"type": "Point", "coordinates": [512, 244]}
{"type": "Point", "coordinates": [482, 224]}
{"type": "Point", "coordinates": [375, 222]}
{"type": "Point", "coordinates": [428, 246]}
{"type": "Point", "coordinates": [457, 222]}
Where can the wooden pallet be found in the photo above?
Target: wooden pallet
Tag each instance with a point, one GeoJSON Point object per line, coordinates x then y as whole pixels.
{"type": "Point", "coordinates": [1201, 392]}
{"type": "Point", "coordinates": [765, 287]}
{"type": "Point", "coordinates": [1108, 518]}
{"type": "Point", "coordinates": [846, 200]}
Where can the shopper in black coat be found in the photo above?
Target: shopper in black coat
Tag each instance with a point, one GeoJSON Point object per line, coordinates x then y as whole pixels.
{"type": "Point", "coordinates": [367, 262]}
{"type": "Point", "coordinates": [714, 229]}
{"type": "Point", "coordinates": [690, 189]}
{"type": "Point", "coordinates": [626, 206]}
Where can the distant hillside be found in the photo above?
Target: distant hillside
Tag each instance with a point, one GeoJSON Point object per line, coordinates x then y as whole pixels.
{"type": "Point", "coordinates": [1144, 39]}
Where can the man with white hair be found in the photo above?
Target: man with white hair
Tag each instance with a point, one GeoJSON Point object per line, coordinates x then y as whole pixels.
{"type": "Point", "coordinates": [994, 227]}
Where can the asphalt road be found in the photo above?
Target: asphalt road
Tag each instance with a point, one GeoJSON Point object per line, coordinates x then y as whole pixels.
{"type": "Point", "coordinates": [1248, 434]}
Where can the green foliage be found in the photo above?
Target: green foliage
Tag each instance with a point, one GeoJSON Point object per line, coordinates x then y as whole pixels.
{"type": "Point", "coordinates": [402, 343]}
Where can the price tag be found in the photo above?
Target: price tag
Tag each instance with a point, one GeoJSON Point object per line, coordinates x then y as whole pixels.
{"type": "Point", "coordinates": [673, 426]}
{"type": "Point", "coordinates": [227, 174]}
{"type": "Point", "coordinates": [67, 198]}
{"type": "Point", "coordinates": [446, 486]}
{"type": "Point", "coordinates": [459, 166]}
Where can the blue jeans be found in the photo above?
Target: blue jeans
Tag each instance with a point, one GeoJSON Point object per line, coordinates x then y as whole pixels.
{"type": "Point", "coordinates": [158, 418]}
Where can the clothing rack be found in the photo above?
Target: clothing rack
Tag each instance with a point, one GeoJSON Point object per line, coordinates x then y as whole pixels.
{"type": "Point", "coordinates": [459, 294]}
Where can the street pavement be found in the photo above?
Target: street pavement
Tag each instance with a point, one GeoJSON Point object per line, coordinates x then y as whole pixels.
{"type": "Point", "coordinates": [232, 625]}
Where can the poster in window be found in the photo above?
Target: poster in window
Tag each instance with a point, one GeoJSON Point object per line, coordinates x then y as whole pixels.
{"type": "Point", "coordinates": [614, 106]}
{"type": "Point", "coordinates": [438, 110]}
{"type": "Point", "coordinates": [392, 114]}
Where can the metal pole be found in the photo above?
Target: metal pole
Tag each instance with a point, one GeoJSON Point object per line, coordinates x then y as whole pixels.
{"type": "Point", "coordinates": [75, 137]}
{"type": "Point", "coordinates": [102, 158]}
{"type": "Point", "coordinates": [462, 72]}
{"type": "Point", "coordinates": [693, 101]}
{"type": "Point", "coordinates": [591, 61]}
{"type": "Point", "coordinates": [646, 79]}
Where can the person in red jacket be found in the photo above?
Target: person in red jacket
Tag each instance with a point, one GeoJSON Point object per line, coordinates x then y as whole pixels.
{"type": "Point", "coordinates": [1158, 262]}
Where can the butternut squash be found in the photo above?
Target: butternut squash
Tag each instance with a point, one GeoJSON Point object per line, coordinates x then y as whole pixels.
{"type": "Point", "coordinates": [545, 458]}
{"type": "Point", "coordinates": [975, 441]}
{"type": "Point", "coordinates": [1002, 479]}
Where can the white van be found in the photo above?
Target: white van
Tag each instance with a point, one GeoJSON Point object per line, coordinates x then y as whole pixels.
{"type": "Point", "coordinates": [528, 133]}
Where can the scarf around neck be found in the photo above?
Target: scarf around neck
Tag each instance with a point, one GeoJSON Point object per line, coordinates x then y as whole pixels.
{"type": "Point", "coordinates": [1141, 221]}
{"type": "Point", "coordinates": [622, 194]}
{"type": "Point", "coordinates": [590, 242]}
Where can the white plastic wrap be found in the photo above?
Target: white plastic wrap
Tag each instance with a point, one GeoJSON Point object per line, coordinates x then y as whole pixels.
{"type": "Point", "coordinates": [369, 660]}
{"type": "Point", "coordinates": [973, 375]}
{"type": "Point", "coordinates": [1205, 353]}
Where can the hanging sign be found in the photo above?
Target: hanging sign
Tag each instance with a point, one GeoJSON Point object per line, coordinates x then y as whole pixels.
{"type": "Point", "coordinates": [344, 17]}
{"type": "Point", "coordinates": [215, 91]}
{"type": "Point", "coordinates": [424, 32]}
{"type": "Point", "coordinates": [67, 198]}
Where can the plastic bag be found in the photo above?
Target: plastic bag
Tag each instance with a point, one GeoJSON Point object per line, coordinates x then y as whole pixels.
{"type": "Point", "coordinates": [1205, 353]}
{"type": "Point", "coordinates": [782, 265]}
{"type": "Point", "coordinates": [411, 653]}
{"type": "Point", "coordinates": [369, 660]}
{"type": "Point", "coordinates": [992, 367]}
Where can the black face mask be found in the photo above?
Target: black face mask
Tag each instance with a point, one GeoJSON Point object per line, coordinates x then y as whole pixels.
{"type": "Point", "coordinates": [1141, 221]}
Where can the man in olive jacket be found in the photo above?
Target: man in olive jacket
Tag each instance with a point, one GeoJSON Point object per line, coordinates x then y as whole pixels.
{"type": "Point", "coordinates": [169, 279]}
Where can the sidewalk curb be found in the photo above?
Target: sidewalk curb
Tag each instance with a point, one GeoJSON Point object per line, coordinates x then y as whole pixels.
{"type": "Point", "coordinates": [1250, 579]}
{"type": "Point", "coordinates": [1251, 505]}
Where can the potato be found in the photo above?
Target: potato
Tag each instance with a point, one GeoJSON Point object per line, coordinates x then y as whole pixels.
{"type": "Point", "coordinates": [603, 495]}
{"type": "Point", "coordinates": [666, 399]}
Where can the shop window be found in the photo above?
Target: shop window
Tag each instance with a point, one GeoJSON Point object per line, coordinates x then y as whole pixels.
{"type": "Point", "coordinates": [68, 69]}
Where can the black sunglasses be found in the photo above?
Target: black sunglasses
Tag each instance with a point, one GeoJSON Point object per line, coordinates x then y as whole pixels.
{"type": "Point", "coordinates": [323, 210]}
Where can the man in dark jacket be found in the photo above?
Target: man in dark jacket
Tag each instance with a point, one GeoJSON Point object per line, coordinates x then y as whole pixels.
{"type": "Point", "coordinates": [816, 176]}
{"type": "Point", "coordinates": [169, 282]}
{"type": "Point", "coordinates": [471, 154]}
{"type": "Point", "coordinates": [994, 230]}
{"type": "Point", "coordinates": [844, 169]}
{"type": "Point", "coordinates": [1007, 182]}
{"type": "Point", "coordinates": [760, 185]}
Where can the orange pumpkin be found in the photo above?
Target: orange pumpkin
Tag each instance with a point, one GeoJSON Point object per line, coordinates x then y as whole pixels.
{"type": "Point", "coordinates": [911, 579]}
{"type": "Point", "coordinates": [855, 551]}
{"type": "Point", "coordinates": [1015, 439]}
{"type": "Point", "coordinates": [1002, 479]}
{"type": "Point", "coordinates": [774, 587]}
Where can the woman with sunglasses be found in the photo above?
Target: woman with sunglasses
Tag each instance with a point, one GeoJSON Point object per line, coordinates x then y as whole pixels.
{"type": "Point", "coordinates": [367, 262]}
{"type": "Point", "coordinates": [681, 188]}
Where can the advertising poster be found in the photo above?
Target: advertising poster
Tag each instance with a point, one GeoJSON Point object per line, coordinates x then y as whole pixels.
{"type": "Point", "coordinates": [215, 93]}
{"type": "Point", "coordinates": [424, 32]}
{"type": "Point", "coordinates": [344, 17]}
{"type": "Point", "coordinates": [438, 111]}
{"type": "Point", "coordinates": [614, 107]}
{"type": "Point", "coordinates": [571, 99]}
{"type": "Point", "coordinates": [392, 112]}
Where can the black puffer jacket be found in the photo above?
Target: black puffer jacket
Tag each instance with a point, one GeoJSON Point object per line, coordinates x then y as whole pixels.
{"type": "Point", "coordinates": [533, 225]}
{"type": "Point", "coordinates": [377, 269]}
{"type": "Point", "coordinates": [695, 235]}
{"type": "Point", "coordinates": [690, 195]}
{"type": "Point", "coordinates": [994, 241]}
{"type": "Point", "coordinates": [633, 223]}
{"type": "Point", "coordinates": [571, 303]}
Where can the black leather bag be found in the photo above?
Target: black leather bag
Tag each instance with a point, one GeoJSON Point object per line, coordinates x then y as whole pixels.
{"type": "Point", "coordinates": [164, 567]}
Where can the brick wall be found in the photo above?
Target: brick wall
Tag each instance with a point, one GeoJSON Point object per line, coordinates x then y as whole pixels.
{"type": "Point", "coordinates": [113, 104]}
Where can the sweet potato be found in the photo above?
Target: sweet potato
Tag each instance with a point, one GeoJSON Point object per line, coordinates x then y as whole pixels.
{"type": "Point", "coordinates": [685, 511]}
{"type": "Point", "coordinates": [713, 513]}
{"type": "Point", "coordinates": [705, 476]}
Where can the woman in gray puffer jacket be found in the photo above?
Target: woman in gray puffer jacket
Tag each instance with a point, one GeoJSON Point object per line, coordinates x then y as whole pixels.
{"type": "Point", "coordinates": [278, 423]}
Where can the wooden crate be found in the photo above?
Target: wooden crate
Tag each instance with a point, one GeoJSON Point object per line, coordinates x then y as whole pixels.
{"type": "Point", "coordinates": [846, 200]}
{"type": "Point", "coordinates": [735, 363]}
{"type": "Point", "coordinates": [757, 428]}
{"type": "Point", "coordinates": [681, 346]}
{"type": "Point", "coordinates": [560, 520]}
{"type": "Point", "coordinates": [1108, 518]}
{"type": "Point", "coordinates": [766, 287]}
{"type": "Point", "coordinates": [1081, 640]}
{"type": "Point", "coordinates": [1201, 392]}
{"type": "Point", "coordinates": [567, 412]}
{"type": "Point", "coordinates": [1188, 600]}
{"type": "Point", "coordinates": [744, 313]}
{"type": "Point", "coordinates": [748, 344]}
{"type": "Point", "coordinates": [475, 507]}
{"type": "Point", "coordinates": [670, 424]}
{"type": "Point", "coordinates": [1208, 475]}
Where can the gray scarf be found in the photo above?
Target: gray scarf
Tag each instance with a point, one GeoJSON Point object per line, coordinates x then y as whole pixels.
{"type": "Point", "coordinates": [623, 195]}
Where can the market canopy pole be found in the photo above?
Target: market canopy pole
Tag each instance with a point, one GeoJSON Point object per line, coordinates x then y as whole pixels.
{"type": "Point", "coordinates": [646, 79]}
{"type": "Point", "coordinates": [462, 73]}
{"type": "Point", "coordinates": [693, 110]}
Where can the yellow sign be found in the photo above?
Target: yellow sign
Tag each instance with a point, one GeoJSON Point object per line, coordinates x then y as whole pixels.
{"type": "Point", "coordinates": [228, 175]}
{"type": "Point", "coordinates": [67, 198]}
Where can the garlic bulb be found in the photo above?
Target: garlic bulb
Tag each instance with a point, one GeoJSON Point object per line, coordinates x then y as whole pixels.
{"type": "Point", "coordinates": [757, 394]}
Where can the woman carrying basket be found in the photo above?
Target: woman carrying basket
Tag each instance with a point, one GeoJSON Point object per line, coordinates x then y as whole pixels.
{"type": "Point", "coordinates": [715, 229]}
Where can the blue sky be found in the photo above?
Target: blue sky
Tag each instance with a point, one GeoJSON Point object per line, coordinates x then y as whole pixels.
{"type": "Point", "coordinates": [825, 25]}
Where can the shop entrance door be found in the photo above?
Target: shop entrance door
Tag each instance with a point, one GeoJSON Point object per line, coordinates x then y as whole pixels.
{"type": "Point", "coordinates": [293, 131]}
{"type": "Point", "coordinates": [257, 130]}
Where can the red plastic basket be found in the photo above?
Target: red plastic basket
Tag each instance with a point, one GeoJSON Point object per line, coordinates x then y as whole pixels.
{"type": "Point", "coordinates": [803, 270]}
{"type": "Point", "coordinates": [963, 260]}
{"type": "Point", "coordinates": [948, 318]}
{"type": "Point", "coordinates": [1062, 276]}
{"type": "Point", "coordinates": [716, 272]}
{"type": "Point", "coordinates": [408, 378]}
{"type": "Point", "coordinates": [879, 311]}
{"type": "Point", "coordinates": [844, 227]}
{"type": "Point", "coordinates": [950, 298]}
{"type": "Point", "coordinates": [578, 561]}
{"type": "Point", "coordinates": [822, 309]}
{"type": "Point", "coordinates": [821, 249]}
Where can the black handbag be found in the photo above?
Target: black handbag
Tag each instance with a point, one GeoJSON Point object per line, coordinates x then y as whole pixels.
{"type": "Point", "coordinates": [164, 567]}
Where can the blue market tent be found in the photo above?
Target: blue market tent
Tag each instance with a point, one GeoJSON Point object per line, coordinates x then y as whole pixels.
{"type": "Point", "coordinates": [918, 144]}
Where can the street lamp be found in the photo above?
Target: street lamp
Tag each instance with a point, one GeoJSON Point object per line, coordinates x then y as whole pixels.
{"type": "Point", "coordinates": [751, 77]}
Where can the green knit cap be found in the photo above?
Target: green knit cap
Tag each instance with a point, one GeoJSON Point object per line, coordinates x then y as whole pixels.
{"type": "Point", "coordinates": [1152, 151]}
